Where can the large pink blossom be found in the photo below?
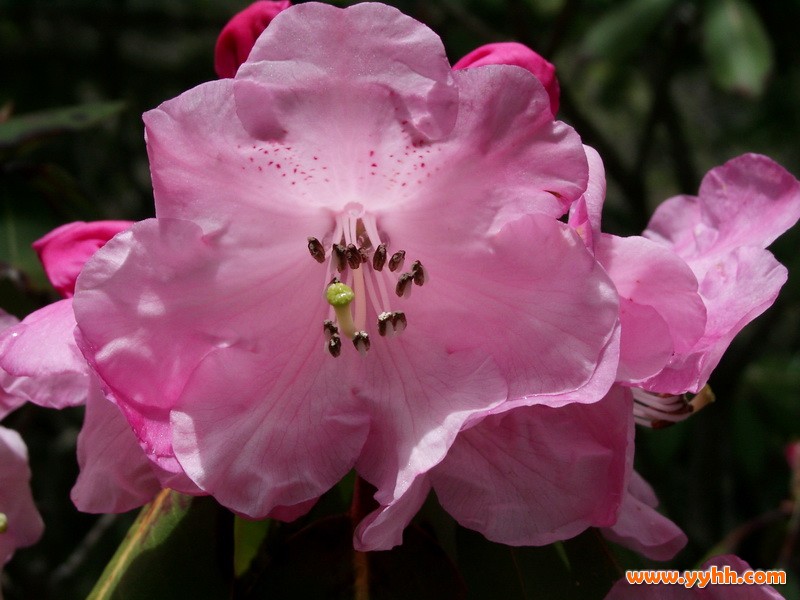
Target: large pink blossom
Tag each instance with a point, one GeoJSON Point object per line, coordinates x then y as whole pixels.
{"type": "Point", "coordinates": [344, 140]}
{"type": "Point", "coordinates": [40, 362]}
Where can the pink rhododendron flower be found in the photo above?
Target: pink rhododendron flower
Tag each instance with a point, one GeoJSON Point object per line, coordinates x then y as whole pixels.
{"type": "Point", "coordinates": [20, 522]}
{"type": "Point", "coordinates": [514, 53]}
{"type": "Point", "coordinates": [237, 37]}
{"type": "Point", "coordinates": [722, 233]}
{"type": "Point", "coordinates": [40, 362]}
{"type": "Point", "coordinates": [685, 290]}
{"type": "Point", "coordinates": [623, 590]}
{"type": "Point", "coordinates": [346, 148]}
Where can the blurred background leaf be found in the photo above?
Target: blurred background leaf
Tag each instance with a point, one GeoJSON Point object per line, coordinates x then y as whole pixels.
{"type": "Point", "coordinates": [737, 46]}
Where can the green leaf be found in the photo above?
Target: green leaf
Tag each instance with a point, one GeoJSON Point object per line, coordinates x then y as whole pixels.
{"type": "Point", "coordinates": [19, 130]}
{"type": "Point", "coordinates": [178, 547]}
{"type": "Point", "coordinates": [247, 539]}
{"type": "Point", "coordinates": [625, 30]}
{"type": "Point", "coordinates": [737, 47]}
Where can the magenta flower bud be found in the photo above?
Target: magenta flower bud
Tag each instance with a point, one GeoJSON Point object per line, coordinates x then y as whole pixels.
{"type": "Point", "coordinates": [513, 53]}
{"type": "Point", "coordinates": [65, 250]}
{"type": "Point", "coordinates": [238, 36]}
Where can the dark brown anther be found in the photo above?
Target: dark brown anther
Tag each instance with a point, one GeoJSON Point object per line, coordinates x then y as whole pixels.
{"type": "Point", "coordinates": [384, 322]}
{"type": "Point", "coordinates": [403, 288]}
{"type": "Point", "coordinates": [316, 249]}
{"type": "Point", "coordinates": [361, 342]}
{"type": "Point", "coordinates": [334, 345]}
{"type": "Point", "coordinates": [418, 272]}
{"type": "Point", "coordinates": [340, 254]}
{"type": "Point", "coordinates": [330, 330]}
{"type": "Point", "coordinates": [353, 256]}
{"type": "Point", "coordinates": [399, 321]}
{"type": "Point", "coordinates": [362, 251]}
{"type": "Point", "coordinates": [379, 258]}
{"type": "Point", "coordinates": [396, 262]}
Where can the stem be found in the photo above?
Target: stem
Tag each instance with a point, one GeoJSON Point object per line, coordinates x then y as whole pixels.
{"type": "Point", "coordinates": [362, 504]}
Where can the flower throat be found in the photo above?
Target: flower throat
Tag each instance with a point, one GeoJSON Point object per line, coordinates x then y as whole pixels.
{"type": "Point", "coordinates": [361, 271]}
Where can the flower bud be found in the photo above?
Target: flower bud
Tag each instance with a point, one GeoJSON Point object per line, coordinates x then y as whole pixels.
{"type": "Point", "coordinates": [238, 36]}
{"type": "Point", "coordinates": [513, 53]}
{"type": "Point", "coordinates": [65, 250]}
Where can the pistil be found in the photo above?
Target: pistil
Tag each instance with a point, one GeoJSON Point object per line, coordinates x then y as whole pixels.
{"type": "Point", "coordinates": [339, 296]}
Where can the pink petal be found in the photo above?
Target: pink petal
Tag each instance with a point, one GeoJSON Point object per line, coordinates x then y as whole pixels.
{"type": "Point", "coordinates": [743, 284]}
{"type": "Point", "coordinates": [545, 314]}
{"type": "Point", "coordinates": [8, 402]}
{"type": "Point", "coordinates": [660, 307]}
{"type": "Point", "coordinates": [115, 475]}
{"type": "Point", "coordinates": [25, 525]}
{"type": "Point", "coordinates": [641, 528]}
{"type": "Point", "coordinates": [383, 528]}
{"type": "Point", "coordinates": [321, 48]}
{"type": "Point", "coordinates": [207, 169]}
{"type": "Point", "coordinates": [513, 53]}
{"type": "Point", "coordinates": [66, 249]}
{"type": "Point", "coordinates": [297, 434]}
{"type": "Point", "coordinates": [421, 397]}
{"type": "Point", "coordinates": [513, 477]}
{"type": "Point", "coordinates": [41, 360]}
{"type": "Point", "coordinates": [749, 201]}
{"type": "Point", "coordinates": [240, 33]}
{"type": "Point", "coordinates": [585, 213]}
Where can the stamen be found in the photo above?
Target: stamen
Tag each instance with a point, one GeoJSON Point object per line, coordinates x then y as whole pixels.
{"type": "Point", "coordinates": [330, 330]}
{"type": "Point", "coordinates": [356, 240]}
{"type": "Point", "coordinates": [418, 272]}
{"type": "Point", "coordinates": [662, 410]}
{"type": "Point", "coordinates": [339, 296]}
{"type": "Point", "coordinates": [316, 249]}
{"type": "Point", "coordinates": [334, 345]}
{"type": "Point", "coordinates": [403, 288]}
{"type": "Point", "coordinates": [385, 323]}
{"type": "Point", "coordinates": [379, 258]}
{"type": "Point", "coordinates": [399, 321]}
{"type": "Point", "coordinates": [339, 256]}
{"type": "Point", "coordinates": [391, 322]}
{"type": "Point", "coordinates": [353, 256]}
{"type": "Point", "coordinates": [361, 342]}
{"type": "Point", "coordinates": [396, 262]}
